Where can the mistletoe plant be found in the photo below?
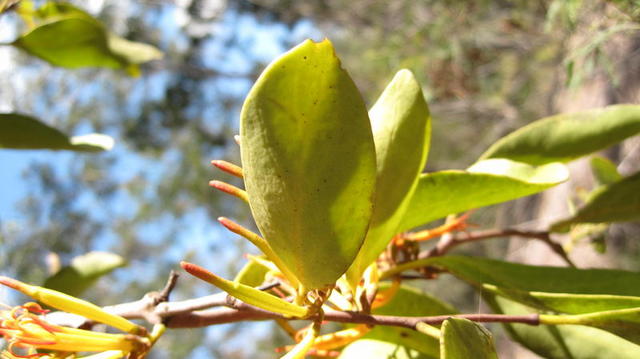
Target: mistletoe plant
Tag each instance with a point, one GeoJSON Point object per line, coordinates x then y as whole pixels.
{"type": "Point", "coordinates": [338, 195]}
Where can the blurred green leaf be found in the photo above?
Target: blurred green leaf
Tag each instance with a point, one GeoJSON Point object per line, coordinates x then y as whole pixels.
{"type": "Point", "coordinates": [565, 137]}
{"type": "Point", "coordinates": [401, 126]}
{"type": "Point", "coordinates": [83, 272]}
{"type": "Point", "coordinates": [604, 171]}
{"type": "Point", "coordinates": [464, 339]}
{"type": "Point", "coordinates": [25, 132]}
{"type": "Point", "coordinates": [616, 202]}
{"type": "Point", "coordinates": [408, 302]}
{"type": "Point", "coordinates": [485, 183]}
{"type": "Point", "coordinates": [69, 37]}
{"type": "Point", "coordinates": [562, 341]}
{"type": "Point", "coordinates": [309, 162]}
{"type": "Point", "coordinates": [377, 349]}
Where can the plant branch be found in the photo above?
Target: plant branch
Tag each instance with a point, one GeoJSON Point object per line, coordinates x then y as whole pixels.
{"type": "Point", "coordinates": [241, 311]}
{"type": "Point", "coordinates": [447, 243]}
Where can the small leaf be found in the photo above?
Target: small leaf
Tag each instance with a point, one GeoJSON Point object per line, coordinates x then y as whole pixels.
{"type": "Point", "coordinates": [71, 43]}
{"type": "Point", "coordinates": [485, 183]}
{"type": "Point", "coordinates": [252, 274]}
{"type": "Point", "coordinates": [562, 341]}
{"type": "Point", "coordinates": [565, 137]}
{"type": "Point", "coordinates": [401, 126]}
{"type": "Point", "coordinates": [309, 162]}
{"type": "Point", "coordinates": [464, 339]}
{"type": "Point", "coordinates": [604, 171]}
{"type": "Point", "coordinates": [83, 272]}
{"type": "Point", "coordinates": [377, 349]}
{"type": "Point", "coordinates": [247, 294]}
{"type": "Point", "coordinates": [616, 202]}
{"type": "Point", "coordinates": [25, 132]}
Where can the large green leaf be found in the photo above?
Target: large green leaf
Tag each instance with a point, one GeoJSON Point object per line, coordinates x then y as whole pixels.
{"type": "Point", "coordinates": [464, 339]}
{"type": "Point", "coordinates": [410, 302]}
{"type": "Point", "coordinates": [568, 136]}
{"type": "Point", "coordinates": [563, 341]}
{"type": "Point", "coordinates": [479, 271]}
{"type": "Point", "coordinates": [25, 132]}
{"type": "Point", "coordinates": [401, 126]}
{"type": "Point", "coordinates": [616, 202]}
{"type": "Point", "coordinates": [485, 183]}
{"type": "Point", "coordinates": [309, 162]}
{"type": "Point", "coordinates": [83, 272]}
{"type": "Point", "coordinates": [69, 37]}
{"type": "Point", "coordinates": [377, 349]}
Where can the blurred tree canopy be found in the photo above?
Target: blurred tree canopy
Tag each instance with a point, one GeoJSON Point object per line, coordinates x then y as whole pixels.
{"type": "Point", "coordinates": [488, 67]}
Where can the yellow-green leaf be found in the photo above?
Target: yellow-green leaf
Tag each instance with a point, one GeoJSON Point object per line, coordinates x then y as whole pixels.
{"type": "Point", "coordinates": [485, 183]}
{"type": "Point", "coordinates": [565, 137]}
{"type": "Point", "coordinates": [309, 162]}
{"type": "Point", "coordinates": [25, 132]}
{"type": "Point", "coordinates": [401, 126]}
{"type": "Point", "coordinates": [252, 274]}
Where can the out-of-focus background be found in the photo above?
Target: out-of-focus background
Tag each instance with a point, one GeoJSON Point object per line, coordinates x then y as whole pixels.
{"type": "Point", "coordinates": [487, 67]}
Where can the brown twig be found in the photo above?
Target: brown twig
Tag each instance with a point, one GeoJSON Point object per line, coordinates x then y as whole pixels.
{"type": "Point", "coordinates": [447, 243]}
{"type": "Point", "coordinates": [241, 311]}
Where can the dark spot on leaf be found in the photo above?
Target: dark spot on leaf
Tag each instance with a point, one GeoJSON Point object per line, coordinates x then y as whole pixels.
{"type": "Point", "coordinates": [404, 334]}
{"type": "Point", "coordinates": [305, 57]}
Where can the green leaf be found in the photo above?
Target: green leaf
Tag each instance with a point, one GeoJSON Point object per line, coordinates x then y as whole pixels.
{"type": "Point", "coordinates": [565, 137]}
{"type": "Point", "coordinates": [83, 272]}
{"type": "Point", "coordinates": [604, 171]}
{"type": "Point", "coordinates": [252, 274]}
{"type": "Point", "coordinates": [616, 202]}
{"type": "Point", "coordinates": [485, 183]}
{"type": "Point", "coordinates": [25, 132]}
{"type": "Point", "coordinates": [69, 37]}
{"type": "Point", "coordinates": [377, 349]}
{"type": "Point", "coordinates": [479, 271]}
{"type": "Point", "coordinates": [401, 126]}
{"type": "Point", "coordinates": [309, 162]}
{"type": "Point", "coordinates": [410, 302]}
{"type": "Point", "coordinates": [566, 303]}
{"type": "Point", "coordinates": [464, 339]}
{"type": "Point", "coordinates": [562, 341]}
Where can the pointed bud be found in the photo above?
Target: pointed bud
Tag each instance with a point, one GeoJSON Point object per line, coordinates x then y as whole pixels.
{"type": "Point", "coordinates": [246, 293]}
{"type": "Point", "coordinates": [230, 189]}
{"type": "Point", "coordinates": [228, 167]}
{"type": "Point", "coordinates": [262, 244]}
